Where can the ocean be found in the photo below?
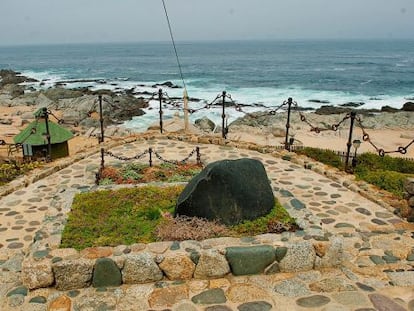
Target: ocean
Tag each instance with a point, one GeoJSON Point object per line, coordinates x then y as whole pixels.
{"type": "Point", "coordinates": [313, 73]}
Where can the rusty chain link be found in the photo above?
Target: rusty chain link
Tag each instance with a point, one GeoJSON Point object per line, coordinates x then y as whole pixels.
{"type": "Point", "coordinates": [122, 158]}
{"type": "Point", "coordinates": [316, 129]}
{"type": "Point", "coordinates": [381, 152]}
{"type": "Point", "coordinates": [176, 162]}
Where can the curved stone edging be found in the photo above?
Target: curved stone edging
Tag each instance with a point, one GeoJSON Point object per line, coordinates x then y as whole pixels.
{"type": "Point", "coordinates": [143, 263]}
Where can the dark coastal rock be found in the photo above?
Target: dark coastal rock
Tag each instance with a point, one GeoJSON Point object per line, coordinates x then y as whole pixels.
{"type": "Point", "coordinates": [325, 110]}
{"type": "Point", "coordinates": [389, 109]}
{"type": "Point", "coordinates": [167, 84]}
{"type": "Point", "coordinates": [13, 77]}
{"type": "Point", "coordinates": [353, 104]}
{"type": "Point", "coordinates": [125, 107]}
{"type": "Point", "coordinates": [318, 101]}
{"type": "Point", "coordinates": [229, 191]}
{"type": "Point", "coordinates": [408, 106]}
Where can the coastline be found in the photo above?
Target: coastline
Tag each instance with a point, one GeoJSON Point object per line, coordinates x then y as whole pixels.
{"type": "Point", "coordinates": [18, 101]}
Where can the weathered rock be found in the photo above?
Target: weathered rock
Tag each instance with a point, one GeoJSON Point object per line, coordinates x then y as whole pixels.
{"type": "Point", "coordinates": [331, 285]}
{"type": "Point", "coordinates": [205, 124]}
{"type": "Point", "coordinates": [37, 274]}
{"type": "Point", "coordinates": [62, 303]}
{"type": "Point", "coordinates": [240, 293]}
{"type": "Point", "coordinates": [383, 303]}
{"type": "Point", "coordinates": [167, 297]}
{"type": "Point", "coordinates": [291, 288]}
{"type": "Point", "coordinates": [332, 255]}
{"type": "Point", "coordinates": [177, 266]}
{"type": "Point", "coordinates": [96, 302]}
{"type": "Point", "coordinates": [389, 109]}
{"type": "Point", "coordinates": [408, 106]}
{"type": "Point", "coordinates": [106, 273]}
{"type": "Point", "coordinates": [329, 109]}
{"type": "Point", "coordinates": [250, 260]}
{"type": "Point", "coordinates": [299, 257]}
{"type": "Point", "coordinates": [229, 191]}
{"type": "Point", "coordinates": [350, 298]}
{"type": "Point", "coordinates": [55, 94]}
{"type": "Point", "coordinates": [140, 268]}
{"type": "Point", "coordinates": [73, 274]}
{"type": "Point", "coordinates": [314, 301]}
{"type": "Point", "coordinates": [405, 278]}
{"type": "Point", "coordinates": [255, 306]}
{"type": "Point", "coordinates": [96, 252]}
{"type": "Point", "coordinates": [409, 185]}
{"type": "Point", "coordinates": [211, 264]}
{"type": "Point", "coordinates": [211, 296]}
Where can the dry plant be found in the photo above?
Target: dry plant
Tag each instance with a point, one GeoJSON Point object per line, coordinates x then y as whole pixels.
{"type": "Point", "coordinates": [189, 228]}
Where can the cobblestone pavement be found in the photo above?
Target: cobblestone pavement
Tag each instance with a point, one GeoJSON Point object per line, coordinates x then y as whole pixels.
{"type": "Point", "coordinates": [377, 275]}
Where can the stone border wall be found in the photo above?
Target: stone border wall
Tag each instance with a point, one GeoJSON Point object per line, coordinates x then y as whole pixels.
{"type": "Point", "coordinates": [68, 269]}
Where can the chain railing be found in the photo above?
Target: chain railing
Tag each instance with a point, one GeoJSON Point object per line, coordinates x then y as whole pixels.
{"type": "Point", "coordinates": [150, 151]}
{"type": "Point", "coordinates": [381, 152]}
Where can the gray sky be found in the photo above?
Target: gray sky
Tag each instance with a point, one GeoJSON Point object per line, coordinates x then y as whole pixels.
{"type": "Point", "coordinates": [68, 21]}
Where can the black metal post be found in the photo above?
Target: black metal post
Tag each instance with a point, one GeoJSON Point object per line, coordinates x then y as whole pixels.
{"type": "Point", "coordinates": [223, 116]}
{"type": "Point", "coordinates": [160, 98]}
{"type": "Point", "coordinates": [287, 145]}
{"type": "Point", "coordinates": [349, 143]}
{"type": "Point", "coordinates": [198, 155]}
{"type": "Point", "coordinates": [49, 145]}
{"type": "Point", "coordinates": [150, 156]}
{"type": "Point", "coordinates": [102, 159]}
{"type": "Point", "coordinates": [101, 139]}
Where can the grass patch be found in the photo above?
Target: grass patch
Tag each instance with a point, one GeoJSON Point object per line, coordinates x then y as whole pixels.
{"type": "Point", "coordinates": [386, 172]}
{"type": "Point", "coordinates": [327, 157]}
{"type": "Point", "coordinates": [143, 214]}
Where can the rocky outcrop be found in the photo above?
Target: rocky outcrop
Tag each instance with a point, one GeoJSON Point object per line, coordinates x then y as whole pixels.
{"type": "Point", "coordinates": [205, 124]}
{"type": "Point", "coordinates": [12, 77]}
{"type": "Point", "coordinates": [408, 106]}
{"type": "Point", "coordinates": [229, 191]}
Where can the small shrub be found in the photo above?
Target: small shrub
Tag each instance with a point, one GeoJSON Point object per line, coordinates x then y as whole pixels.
{"type": "Point", "coordinates": [386, 180]}
{"type": "Point", "coordinates": [10, 171]}
{"type": "Point", "coordinates": [189, 228]}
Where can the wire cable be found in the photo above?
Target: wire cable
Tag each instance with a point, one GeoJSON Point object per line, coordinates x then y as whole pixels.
{"type": "Point", "coordinates": [175, 48]}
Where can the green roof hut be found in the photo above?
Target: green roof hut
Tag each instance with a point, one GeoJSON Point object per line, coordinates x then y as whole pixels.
{"type": "Point", "coordinates": [34, 138]}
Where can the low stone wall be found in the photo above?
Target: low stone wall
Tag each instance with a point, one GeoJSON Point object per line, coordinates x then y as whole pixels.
{"type": "Point", "coordinates": [409, 188]}
{"type": "Point", "coordinates": [68, 269]}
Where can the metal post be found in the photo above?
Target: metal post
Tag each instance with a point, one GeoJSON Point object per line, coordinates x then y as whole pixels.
{"type": "Point", "coordinates": [223, 116]}
{"type": "Point", "coordinates": [287, 145]}
{"type": "Point", "coordinates": [101, 139]}
{"type": "Point", "coordinates": [160, 98]}
{"type": "Point", "coordinates": [198, 155]}
{"type": "Point", "coordinates": [150, 156]}
{"type": "Point", "coordinates": [49, 145]}
{"type": "Point", "coordinates": [102, 159]}
{"type": "Point", "coordinates": [349, 143]}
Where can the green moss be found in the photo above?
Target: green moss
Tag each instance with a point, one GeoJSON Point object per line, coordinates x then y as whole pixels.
{"type": "Point", "coordinates": [127, 216]}
{"type": "Point", "coordinates": [118, 217]}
